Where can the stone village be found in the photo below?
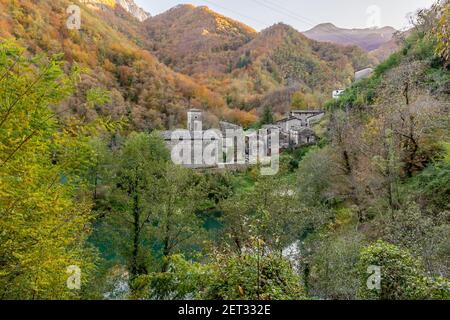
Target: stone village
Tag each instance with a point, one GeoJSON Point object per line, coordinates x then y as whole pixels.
{"type": "Point", "coordinates": [231, 145]}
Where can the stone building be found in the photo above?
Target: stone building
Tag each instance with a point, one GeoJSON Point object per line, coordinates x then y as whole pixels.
{"type": "Point", "coordinates": [294, 131]}
{"type": "Point", "coordinates": [195, 139]}
{"type": "Point", "coordinates": [309, 117]}
{"type": "Point", "coordinates": [363, 74]}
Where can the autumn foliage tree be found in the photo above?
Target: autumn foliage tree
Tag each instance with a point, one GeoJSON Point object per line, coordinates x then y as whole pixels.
{"type": "Point", "coordinates": [443, 31]}
{"type": "Point", "coordinates": [44, 214]}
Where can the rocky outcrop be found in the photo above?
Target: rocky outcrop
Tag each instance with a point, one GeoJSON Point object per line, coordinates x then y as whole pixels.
{"type": "Point", "coordinates": [136, 11]}
{"type": "Point", "coordinates": [128, 5]}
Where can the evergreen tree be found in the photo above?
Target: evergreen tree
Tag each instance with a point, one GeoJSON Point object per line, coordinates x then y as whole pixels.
{"type": "Point", "coordinates": [267, 116]}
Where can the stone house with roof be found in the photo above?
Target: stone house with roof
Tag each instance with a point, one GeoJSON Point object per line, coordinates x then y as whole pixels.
{"type": "Point", "coordinates": [296, 128]}
{"type": "Point", "coordinates": [294, 131]}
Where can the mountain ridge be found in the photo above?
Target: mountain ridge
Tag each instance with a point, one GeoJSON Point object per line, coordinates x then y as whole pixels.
{"type": "Point", "coordinates": [189, 57]}
{"type": "Point", "coordinates": [131, 7]}
{"type": "Point", "coordinates": [369, 39]}
{"type": "Point", "coordinates": [246, 66]}
{"type": "Point", "coordinates": [109, 46]}
{"type": "Point", "coordinates": [188, 38]}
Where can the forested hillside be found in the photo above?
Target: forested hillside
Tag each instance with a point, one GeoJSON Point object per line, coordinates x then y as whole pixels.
{"type": "Point", "coordinates": [276, 67]}
{"type": "Point", "coordinates": [283, 69]}
{"type": "Point", "coordinates": [109, 45]}
{"type": "Point", "coordinates": [88, 188]}
{"type": "Point", "coordinates": [384, 170]}
{"type": "Point", "coordinates": [196, 40]}
{"type": "Point", "coordinates": [226, 68]}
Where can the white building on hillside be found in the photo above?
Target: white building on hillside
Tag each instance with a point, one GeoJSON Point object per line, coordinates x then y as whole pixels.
{"type": "Point", "coordinates": [363, 74]}
{"type": "Point", "coordinates": [337, 93]}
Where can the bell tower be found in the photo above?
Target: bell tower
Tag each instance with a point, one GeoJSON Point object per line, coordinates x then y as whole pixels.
{"type": "Point", "coordinates": [194, 120]}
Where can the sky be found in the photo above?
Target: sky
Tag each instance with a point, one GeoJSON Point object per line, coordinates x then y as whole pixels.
{"type": "Point", "coordinates": [304, 14]}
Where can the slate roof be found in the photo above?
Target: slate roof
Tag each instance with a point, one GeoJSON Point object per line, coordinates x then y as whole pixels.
{"type": "Point", "coordinates": [166, 135]}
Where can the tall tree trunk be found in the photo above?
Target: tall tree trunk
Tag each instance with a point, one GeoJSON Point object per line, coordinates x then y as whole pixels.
{"type": "Point", "coordinates": [413, 149]}
{"type": "Point", "coordinates": [353, 188]}
{"type": "Point", "coordinates": [166, 251]}
{"type": "Point", "coordinates": [406, 92]}
{"type": "Point", "coordinates": [166, 241]}
{"type": "Point", "coordinates": [136, 237]}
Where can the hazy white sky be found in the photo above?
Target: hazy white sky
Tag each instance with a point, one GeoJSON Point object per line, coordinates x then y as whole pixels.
{"type": "Point", "coordinates": [304, 14]}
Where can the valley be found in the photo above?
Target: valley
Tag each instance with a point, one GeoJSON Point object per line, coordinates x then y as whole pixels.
{"type": "Point", "coordinates": [93, 205]}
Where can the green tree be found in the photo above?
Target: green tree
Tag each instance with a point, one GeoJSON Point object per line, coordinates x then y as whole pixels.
{"type": "Point", "coordinates": [151, 209]}
{"type": "Point", "coordinates": [332, 264]}
{"type": "Point", "coordinates": [267, 116]}
{"type": "Point", "coordinates": [442, 31]}
{"type": "Point", "coordinates": [183, 279]}
{"type": "Point", "coordinates": [134, 183]}
{"type": "Point", "coordinates": [269, 212]}
{"type": "Point", "coordinates": [244, 60]}
{"type": "Point", "coordinates": [177, 226]}
{"type": "Point", "coordinates": [253, 276]}
{"type": "Point", "coordinates": [224, 276]}
{"type": "Point", "coordinates": [45, 213]}
{"type": "Point", "coordinates": [402, 275]}
{"type": "Point", "coordinates": [303, 101]}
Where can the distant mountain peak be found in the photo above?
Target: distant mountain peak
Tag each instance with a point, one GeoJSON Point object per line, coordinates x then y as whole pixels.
{"type": "Point", "coordinates": [187, 8]}
{"type": "Point", "coordinates": [368, 39]}
{"type": "Point", "coordinates": [327, 25]}
{"type": "Point", "coordinates": [280, 28]}
{"type": "Point", "coordinates": [184, 5]}
{"type": "Point", "coordinates": [131, 7]}
{"type": "Point", "coordinates": [197, 15]}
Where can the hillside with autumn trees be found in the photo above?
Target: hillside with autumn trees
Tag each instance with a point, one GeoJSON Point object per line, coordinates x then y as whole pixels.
{"type": "Point", "coordinates": [196, 40]}
{"type": "Point", "coordinates": [279, 66]}
{"type": "Point", "coordinates": [144, 91]}
{"type": "Point", "coordinates": [188, 57]}
{"type": "Point", "coordinates": [92, 206]}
